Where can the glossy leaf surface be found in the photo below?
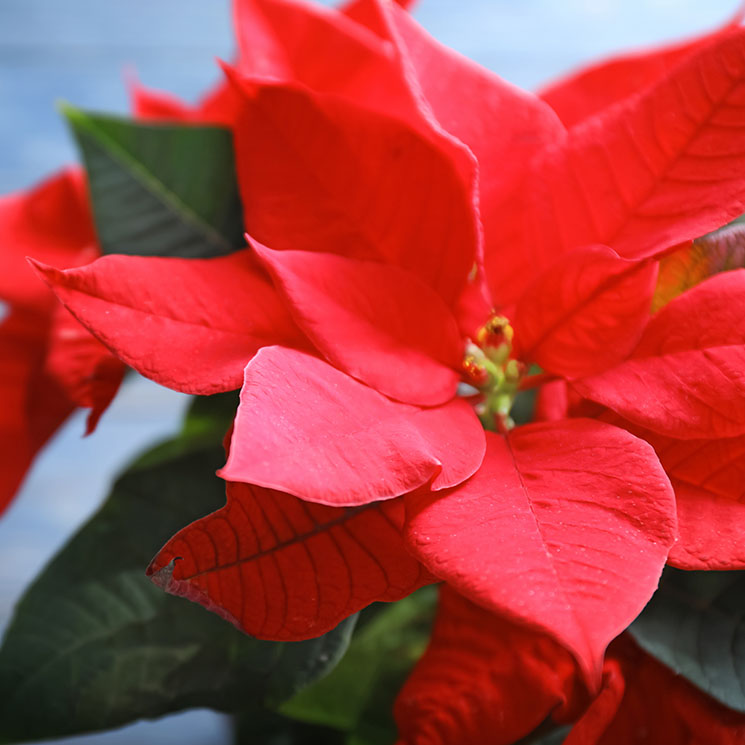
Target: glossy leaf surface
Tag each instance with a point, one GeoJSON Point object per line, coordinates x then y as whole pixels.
{"type": "Point", "coordinates": [717, 465]}
{"type": "Point", "coordinates": [707, 476]}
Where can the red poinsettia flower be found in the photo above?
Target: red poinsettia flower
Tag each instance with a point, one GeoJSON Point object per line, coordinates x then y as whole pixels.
{"type": "Point", "coordinates": [50, 363]}
{"type": "Point", "coordinates": [416, 224]}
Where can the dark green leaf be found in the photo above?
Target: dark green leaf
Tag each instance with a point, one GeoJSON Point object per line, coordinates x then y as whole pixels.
{"type": "Point", "coordinates": [547, 734]}
{"type": "Point", "coordinates": [94, 644]}
{"type": "Point", "coordinates": [207, 421]}
{"type": "Point", "coordinates": [358, 695]}
{"type": "Point", "coordinates": [160, 190]}
{"type": "Point", "coordinates": [695, 625]}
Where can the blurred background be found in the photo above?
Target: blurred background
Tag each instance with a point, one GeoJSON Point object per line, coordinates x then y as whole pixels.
{"type": "Point", "coordinates": [79, 50]}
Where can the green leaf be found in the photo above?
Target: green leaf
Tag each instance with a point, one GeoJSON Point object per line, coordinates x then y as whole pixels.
{"type": "Point", "coordinates": [160, 190]}
{"type": "Point", "coordinates": [93, 644]}
{"type": "Point", "coordinates": [547, 734]}
{"type": "Point", "coordinates": [695, 625]}
{"type": "Point", "coordinates": [358, 695]}
{"type": "Point", "coordinates": [720, 251]}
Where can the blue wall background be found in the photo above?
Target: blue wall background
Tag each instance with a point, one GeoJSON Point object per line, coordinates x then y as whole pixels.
{"type": "Point", "coordinates": [77, 50]}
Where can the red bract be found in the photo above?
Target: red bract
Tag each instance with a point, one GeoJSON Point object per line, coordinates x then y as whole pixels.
{"type": "Point", "coordinates": [483, 680]}
{"type": "Point", "coordinates": [686, 376]}
{"type": "Point", "coordinates": [585, 312]}
{"type": "Point", "coordinates": [646, 703]}
{"type": "Point", "coordinates": [50, 363]}
{"type": "Point", "coordinates": [706, 477]}
{"type": "Point", "coordinates": [554, 527]}
{"type": "Point", "coordinates": [196, 347]}
{"type": "Point", "coordinates": [394, 194]}
{"type": "Point", "coordinates": [659, 168]}
{"type": "Point", "coordinates": [594, 88]}
{"type": "Point", "coordinates": [279, 567]}
{"type": "Point", "coordinates": [282, 40]}
{"type": "Point", "coordinates": [342, 443]}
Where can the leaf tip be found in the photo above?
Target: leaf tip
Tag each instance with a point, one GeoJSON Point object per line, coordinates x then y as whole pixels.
{"type": "Point", "coordinates": [163, 576]}
{"type": "Point", "coordinates": [45, 272]}
{"type": "Point", "coordinates": [70, 112]}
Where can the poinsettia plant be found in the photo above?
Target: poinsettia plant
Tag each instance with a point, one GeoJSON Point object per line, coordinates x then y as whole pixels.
{"type": "Point", "coordinates": [489, 344]}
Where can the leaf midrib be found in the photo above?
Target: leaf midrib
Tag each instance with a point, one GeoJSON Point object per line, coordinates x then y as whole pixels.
{"type": "Point", "coordinates": [170, 199]}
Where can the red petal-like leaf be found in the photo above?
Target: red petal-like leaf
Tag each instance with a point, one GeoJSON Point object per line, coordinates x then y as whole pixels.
{"type": "Point", "coordinates": [585, 313]}
{"type": "Point", "coordinates": [280, 568]}
{"type": "Point", "coordinates": [136, 306]}
{"type": "Point", "coordinates": [591, 89]}
{"type": "Point", "coordinates": [317, 173]}
{"type": "Point", "coordinates": [308, 429]}
{"type": "Point", "coordinates": [371, 15]}
{"type": "Point", "coordinates": [322, 49]}
{"type": "Point", "coordinates": [52, 223]}
{"type": "Point", "coordinates": [353, 54]}
{"type": "Point", "coordinates": [219, 106]}
{"type": "Point", "coordinates": [552, 402]}
{"type": "Point", "coordinates": [711, 530]}
{"type": "Point", "coordinates": [686, 378]}
{"type": "Point", "coordinates": [566, 527]}
{"type": "Point", "coordinates": [31, 404]}
{"type": "Point", "coordinates": [715, 465]}
{"type": "Point", "coordinates": [83, 367]}
{"type": "Point", "coordinates": [379, 323]}
{"type": "Point", "coordinates": [482, 680]}
{"type": "Point", "coordinates": [663, 167]}
{"type": "Point", "coordinates": [502, 125]}
{"type": "Point", "coordinates": [645, 703]}
{"type": "Point", "coordinates": [473, 307]}
{"type": "Point", "coordinates": [594, 722]}
{"type": "Point", "coordinates": [709, 481]}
